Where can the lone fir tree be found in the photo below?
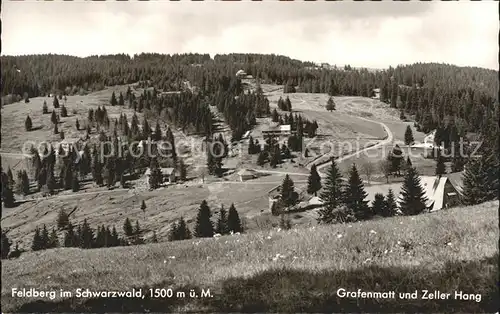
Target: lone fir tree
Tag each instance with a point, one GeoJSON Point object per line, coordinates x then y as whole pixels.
{"type": "Point", "coordinates": [222, 225]}
{"type": "Point", "coordinates": [409, 139]}
{"type": "Point", "coordinates": [330, 105]}
{"type": "Point", "coordinates": [378, 205]}
{"type": "Point", "coordinates": [390, 206]}
{"type": "Point", "coordinates": [28, 125]}
{"type": "Point", "coordinates": [155, 175]}
{"type": "Point", "coordinates": [355, 194]}
{"type": "Point", "coordinates": [113, 101]}
{"type": "Point", "coordinates": [331, 194]}
{"type": "Point", "coordinates": [314, 181]}
{"type": "Point", "coordinates": [204, 227]}
{"type": "Point", "coordinates": [413, 199]}
{"type": "Point", "coordinates": [287, 191]}
{"type": "Point", "coordinates": [55, 102]}
{"type": "Point", "coordinates": [127, 228]}
{"type": "Point", "coordinates": [233, 220]}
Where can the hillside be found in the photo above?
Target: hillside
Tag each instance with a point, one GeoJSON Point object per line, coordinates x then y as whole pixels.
{"type": "Point", "coordinates": [287, 271]}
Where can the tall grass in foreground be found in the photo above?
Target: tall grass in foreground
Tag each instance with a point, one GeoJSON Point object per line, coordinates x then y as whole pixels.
{"type": "Point", "coordinates": [294, 271]}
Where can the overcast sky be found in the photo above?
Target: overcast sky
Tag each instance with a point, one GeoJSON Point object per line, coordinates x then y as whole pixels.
{"type": "Point", "coordinates": [373, 35]}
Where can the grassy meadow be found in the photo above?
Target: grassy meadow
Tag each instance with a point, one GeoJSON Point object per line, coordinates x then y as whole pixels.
{"type": "Point", "coordinates": [298, 270]}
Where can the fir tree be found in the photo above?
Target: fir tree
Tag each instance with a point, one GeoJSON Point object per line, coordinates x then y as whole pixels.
{"type": "Point", "coordinates": [86, 236]}
{"type": "Point", "coordinates": [182, 170]}
{"type": "Point", "coordinates": [354, 195]}
{"type": "Point", "coordinates": [37, 243]}
{"type": "Point", "coordinates": [409, 139]}
{"type": "Point", "coordinates": [314, 181]}
{"type": "Point", "coordinates": [11, 183]}
{"type": "Point", "coordinates": [204, 227]}
{"type": "Point", "coordinates": [121, 101]}
{"type": "Point", "coordinates": [413, 199]}
{"type": "Point", "coordinates": [62, 219]}
{"type": "Point", "coordinates": [55, 103]}
{"type": "Point", "coordinates": [110, 172]}
{"type": "Point", "coordinates": [77, 124]}
{"type": "Point", "coordinates": [114, 236]}
{"type": "Point", "coordinates": [53, 239]}
{"type": "Point", "coordinates": [275, 115]}
{"type": "Point", "coordinates": [51, 180]}
{"type": "Point", "coordinates": [56, 130]}
{"type": "Point", "coordinates": [64, 111]}
{"type": "Point", "coordinates": [45, 109]}
{"type": "Point", "coordinates": [275, 156]}
{"type": "Point", "coordinates": [287, 191]}
{"type": "Point", "coordinates": [53, 117]}
{"type": "Point", "coordinates": [480, 180]}
{"type": "Point", "coordinates": [251, 146]}
{"type": "Point", "coordinates": [183, 231]}
{"type": "Point", "coordinates": [36, 163]}
{"type": "Point", "coordinates": [390, 206]}
{"type": "Point", "coordinates": [127, 228]}
{"type": "Point", "coordinates": [28, 125]}
{"type": "Point", "coordinates": [233, 220]}
{"type": "Point", "coordinates": [331, 194]}
{"type": "Point", "coordinates": [70, 238]}
{"type": "Point", "coordinates": [211, 162]}
{"type": "Point", "coordinates": [378, 205]}
{"type": "Point", "coordinates": [137, 234]}
{"type": "Point", "coordinates": [155, 176]}
{"type": "Point", "coordinates": [330, 105]}
{"type": "Point", "coordinates": [222, 226]}
{"type": "Point", "coordinates": [113, 99]}
{"type": "Point", "coordinates": [97, 168]}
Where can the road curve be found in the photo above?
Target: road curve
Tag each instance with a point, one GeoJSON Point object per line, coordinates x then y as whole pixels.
{"type": "Point", "coordinates": [387, 140]}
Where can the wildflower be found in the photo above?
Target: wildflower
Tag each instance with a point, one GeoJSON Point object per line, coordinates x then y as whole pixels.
{"type": "Point", "coordinates": [339, 236]}
{"type": "Point", "coordinates": [373, 232]}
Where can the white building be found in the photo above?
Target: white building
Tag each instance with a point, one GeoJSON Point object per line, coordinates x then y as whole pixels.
{"type": "Point", "coordinates": [280, 130]}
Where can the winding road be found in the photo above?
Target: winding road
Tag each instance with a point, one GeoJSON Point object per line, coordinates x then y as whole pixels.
{"type": "Point", "coordinates": [387, 140]}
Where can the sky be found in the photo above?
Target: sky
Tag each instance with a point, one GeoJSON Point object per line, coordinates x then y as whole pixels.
{"type": "Point", "coordinates": [362, 34]}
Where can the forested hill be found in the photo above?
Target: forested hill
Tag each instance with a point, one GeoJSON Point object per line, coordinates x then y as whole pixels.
{"type": "Point", "coordinates": [435, 93]}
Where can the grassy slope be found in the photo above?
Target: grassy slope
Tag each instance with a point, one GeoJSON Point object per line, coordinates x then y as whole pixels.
{"type": "Point", "coordinates": [447, 251]}
{"type": "Point", "coordinates": [164, 206]}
